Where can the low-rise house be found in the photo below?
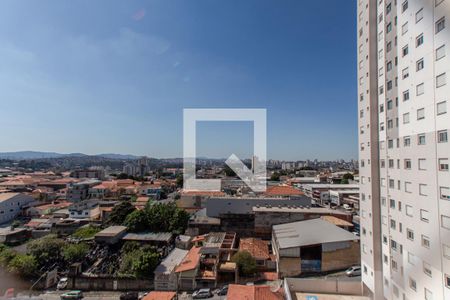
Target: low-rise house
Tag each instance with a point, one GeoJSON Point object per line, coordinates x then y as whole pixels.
{"type": "Point", "coordinates": [12, 204]}
{"type": "Point", "coordinates": [46, 208]}
{"type": "Point", "coordinates": [254, 292]}
{"type": "Point", "coordinates": [313, 246]}
{"type": "Point", "coordinates": [11, 236]}
{"type": "Point", "coordinates": [150, 190]}
{"type": "Point", "coordinates": [88, 209]}
{"type": "Point", "coordinates": [79, 191]}
{"type": "Point", "coordinates": [66, 227]}
{"type": "Point", "coordinates": [111, 235]}
{"type": "Point", "coordinates": [187, 270]}
{"type": "Point", "coordinates": [165, 277]}
{"type": "Point", "coordinates": [159, 295]}
{"type": "Point", "coordinates": [259, 250]}
{"type": "Point", "coordinates": [97, 174]}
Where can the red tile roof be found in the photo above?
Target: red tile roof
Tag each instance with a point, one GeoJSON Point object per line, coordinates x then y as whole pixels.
{"type": "Point", "coordinates": [203, 193]}
{"type": "Point", "coordinates": [253, 292]}
{"type": "Point", "coordinates": [282, 190]}
{"type": "Point", "coordinates": [258, 248]}
{"type": "Point", "coordinates": [157, 295]}
{"type": "Point", "coordinates": [191, 260]}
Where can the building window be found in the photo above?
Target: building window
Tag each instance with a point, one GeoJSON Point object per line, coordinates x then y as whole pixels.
{"type": "Point", "coordinates": [409, 210]}
{"type": "Point", "coordinates": [428, 294]}
{"type": "Point", "coordinates": [446, 251]}
{"type": "Point", "coordinates": [426, 241]}
{"type": "Point", "coordinates": [420, 65]}
{"type": "Point", "coordinates": [412, 284]}
{"type": "Point", "coordinates": [407, 164]}
{"type": "Point", "coordinates": [405, 73]}
{"type": "Point", "coordinates": [408, 187]}
{"type": "Point", "coordinates": [419, 15]}
{"type": "Point", "coordinates": [427, 269]}
{"type": "Point", "coordinates": [406, 141]}
{"type": "Point", "coordinates": [419, 40]}
{"type": "Point", "coordinates": [405, 28]}
{"type": "Point", "coordinates": [405, 50]}
{"type": "Point", "coordinates": [422, 164]}
{"type": "Point", "coordinates": [421, 114]}
{"type": "Point", "coordinates": [410, 234]}
{"type": "Point", "coordinates": [424, 215]}
{"type": "Point", "coordinates": [441, 108]}
{"type": "Point", "coordinates": [406, 118]}
{"type": "Point", "coordinates": [440, 52]}
{"type": "Point", "coordinates": [441, 80]}
{"type": "Point", "coordinates": [405, 95]}
{"type": "Point", "coordinates": [404, 6]}
{"type": "Point", "coordinates": [440, 25]}
{"type": "Point", "coordinates": [388, 27]}
{"type": "Point", "coordinates": [447, 281]}
{"type": "Point", "coordinates": [420, 89]}
{"type": "Point", "coordinates": [421, 140]}
{"type": "Point", "coordinates": [443, 164]}
{"type": "Point", "coordinates": [444, 193]}
{"type": "Point", "coordinates": [445, 220]}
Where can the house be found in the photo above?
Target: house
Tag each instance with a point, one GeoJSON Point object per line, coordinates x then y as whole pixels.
{"type": "Point", "coordinates": [150, 190]}
{"type": "Point", "coordinates": [158, 295]}
{"type": "Point", "coordinates": [97, 173]}
{"type": "Point", "coordinates": [79, 191]}
{"type": "Point", "coordinates": [11, 236]}
{"type": "Point", "coordinates": [102, 190]}
{"type": "Point", "coordinates": [187, 270]}
{"type": "Point", "coordinates": [111, 235]}
{"type": "Point", "coordinates": [165, 277]}
{"type": "Point", "coordinates": [259, 250]}
{"type": "Point", "coordinates": [313, 246]}
{"type": "Point", "coordinates": [253, 292]}
{"type": "Point", "coordinates": [282, 191]}
{"type": "Point", "coordinates": [11, 205]}
{"type": "Point", "coordinates": [87, 209]}
{"type": "Point", "coordinates": [46, 208]}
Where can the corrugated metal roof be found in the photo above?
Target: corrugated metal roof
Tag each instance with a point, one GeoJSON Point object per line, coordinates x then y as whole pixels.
{"type": "Point", "coordinates": [169, 264]}
{"type": "Point", "coordinates": [149, 236]}
{"type": "Point", "coordinates": [310, 232]}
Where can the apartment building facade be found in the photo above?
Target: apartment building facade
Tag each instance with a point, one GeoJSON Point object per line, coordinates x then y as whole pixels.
{"type": "Point", "coordinates": [404, 97]}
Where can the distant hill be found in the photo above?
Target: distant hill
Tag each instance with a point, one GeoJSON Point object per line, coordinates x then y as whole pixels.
{"type": "Point", "coordinates": [20, 155]}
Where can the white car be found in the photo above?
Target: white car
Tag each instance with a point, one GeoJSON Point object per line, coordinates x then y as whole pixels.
{"type": "Point", "coordinates": [62, 284]}
{"type": "Point", "coordinates": [353, 271]}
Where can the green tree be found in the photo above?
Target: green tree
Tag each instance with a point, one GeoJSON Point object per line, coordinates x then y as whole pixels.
{"type": "Point", "coordinates": [75, 252]}
{"type": "Point", "coordinates": [46, 250]}
{"type": "Point", "coordinates": [144, 265]}
{"type": "Point", "coordinates": [275, 176]}
{"type": "Point", "coordinates": [6, 255]}
{"type": "Point", "coordinates": [120, 213]}
{"type": "Point", "coordinates": [348, 176]}
{"type": "Point", "coordinates": [179, 180]}
{"type": "Point", "coordinates": [23, 265]}
{"type": "Point", "coordinates": [137, 221]}
{"type": "Point", "coordinates": [245, 262]}
{"type": "Point", "coordinates": [344, 181]}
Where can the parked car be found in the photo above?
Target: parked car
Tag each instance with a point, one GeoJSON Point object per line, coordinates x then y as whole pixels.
{"type": "Point", "coordinates": [129, 296]}
{"type": "Point", "coordinates": [353, 271]}
{"type": "Point", "coordinates": [62, 284]}
{"type": "Point", "coordinates": [202, 294]}
{"type": "Point", "coordinates": [72, 295]}
{"type": "Point", "coordinates": [223, 291]}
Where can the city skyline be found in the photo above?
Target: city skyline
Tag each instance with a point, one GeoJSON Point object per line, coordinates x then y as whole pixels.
{"type": "Point", "coordinates": [115, 77]}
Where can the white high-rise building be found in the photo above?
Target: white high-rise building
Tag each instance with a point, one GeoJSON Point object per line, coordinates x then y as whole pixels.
{"type": "Point", "coordinates": [403, 99]}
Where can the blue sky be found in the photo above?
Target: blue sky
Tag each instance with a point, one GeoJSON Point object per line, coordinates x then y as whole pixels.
{"type": "Point", "coordinates": [114, 76]}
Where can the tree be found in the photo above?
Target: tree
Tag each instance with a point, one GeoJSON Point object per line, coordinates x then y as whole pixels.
{"type": "Point", "coordinates": [344, 181]}
{"type": "Point", "coordinates": [23, 265]}
{"type": "Point", "coordinates": [179, 180]}
{"type": "Point", "coordinates": [275, 176]}
{"type": "Point", "coordinates": [136, 221]}
{"type": "Point", "coordinates": [245, 262]}
{"type": "Point", "coordinates": [46, 250]}
{"type": "Point", "coordinates": [6, 255]}
{"type": "Point", "coordinates": [120, 213]}
{"type": "Point", "coordinates": [75, 252]}
{"type": "Point", "coordinates": [144, 265]}
{"type": "Point", "coordinates": [348, 176]}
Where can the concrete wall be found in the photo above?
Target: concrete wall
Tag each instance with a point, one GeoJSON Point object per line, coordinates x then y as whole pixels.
{"type": "Point", "coordinates": [325, 286]}
{"type": "Point", "coordinates": [341, 258]}
{"type": "Point", "coordinates": [108, 284]}
{"type": "Point", "coordinates": [289, 266]}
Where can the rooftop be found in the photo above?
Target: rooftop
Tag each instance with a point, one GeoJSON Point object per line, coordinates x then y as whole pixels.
{"type": "Point", "coordinates": [190, 261]}
{"type": "Point", "coordinates": [149, 236]}
{"type": "Point", "coordinates": [298, 209]}
{"type": "Point", "coordinates": [169, 264]}
{"type": "Point", "coordinates": [7, 196]}
{"type": "Point", "coordinates": [336, 221]}
{"type": "Point", "coordinates": [159, 295]}
{"type": "Point", "coordinates": [111, 231]}
{"type": "Point", "coordinates": [310, 232]}
{"type": "Point", "coordinates": [282, 190]}
{"type": "Point", "coordinates": [253, 292]}
{"type": "Point", "coordinates": [256, 247]}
